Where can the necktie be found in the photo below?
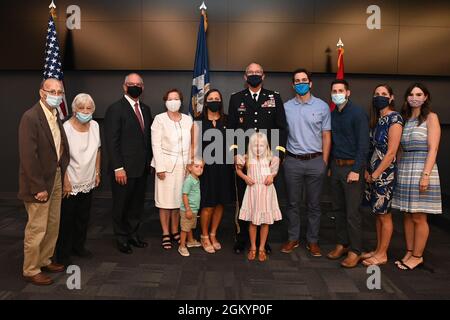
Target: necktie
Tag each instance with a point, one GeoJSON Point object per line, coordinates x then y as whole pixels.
{"type": "Point", "coordinates": [254, 96]}
{"type": "Point", "coordinates": [138, 115]}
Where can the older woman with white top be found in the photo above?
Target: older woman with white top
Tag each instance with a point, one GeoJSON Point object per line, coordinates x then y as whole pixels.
{"type": "Point", "coordinates": [171, 143]}
{"type": "Point", "coordinates": [82, 176]}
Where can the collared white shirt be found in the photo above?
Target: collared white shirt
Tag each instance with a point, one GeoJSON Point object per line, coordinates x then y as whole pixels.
{"type": "Point", "coordinates": [132, 103]}
{"type": "Point", "coordinates": [252, 93]}
{"type": "Point", "coordinates": [52, 119]}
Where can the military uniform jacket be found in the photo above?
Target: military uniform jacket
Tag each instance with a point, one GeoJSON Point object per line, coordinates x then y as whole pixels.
{"type": "Point", "coordinates": [265, 113]}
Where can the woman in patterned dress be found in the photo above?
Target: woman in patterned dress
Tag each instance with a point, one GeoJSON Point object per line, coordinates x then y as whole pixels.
{"type": "Point", "coordinates": [386, 131]}
{"type": "Point", "coordinates": [418, 191]}
{"type": "Point", "coordinates": [260, 203]}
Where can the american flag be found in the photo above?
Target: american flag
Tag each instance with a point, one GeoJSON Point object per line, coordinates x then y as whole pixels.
{"type": "Point", "coordinates": [53, 66]}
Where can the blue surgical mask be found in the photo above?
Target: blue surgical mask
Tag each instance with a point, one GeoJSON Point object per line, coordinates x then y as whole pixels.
{"type": "Point", "coordinates": [53, 101]}
{"type": "Point", "coordinates": [83, 117]}
{"type": "Point", "coordinates": [339, 98]}
{"type": "Point", "coordinates": [302, 88]}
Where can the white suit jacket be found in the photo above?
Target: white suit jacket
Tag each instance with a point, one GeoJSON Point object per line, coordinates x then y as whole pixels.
{"type": "Point", "coordinates": [170, 140]}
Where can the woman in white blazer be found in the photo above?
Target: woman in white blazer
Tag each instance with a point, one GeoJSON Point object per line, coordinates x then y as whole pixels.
{"type": "Point", "coordinates": [171, 143]}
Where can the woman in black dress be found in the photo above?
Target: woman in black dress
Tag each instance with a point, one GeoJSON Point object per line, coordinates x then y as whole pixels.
{"type": "Point", "coordinates": [215, 182]}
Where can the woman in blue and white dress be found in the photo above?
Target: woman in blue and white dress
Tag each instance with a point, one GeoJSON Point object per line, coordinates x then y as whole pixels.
{"type": "Point", "coordinates": [418, 190]}
{"type": "Point", "coordinates": [386, 131]}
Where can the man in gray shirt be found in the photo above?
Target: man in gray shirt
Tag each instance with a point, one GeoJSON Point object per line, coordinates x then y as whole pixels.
{"type": "Point", "coordinates": [308, 149]}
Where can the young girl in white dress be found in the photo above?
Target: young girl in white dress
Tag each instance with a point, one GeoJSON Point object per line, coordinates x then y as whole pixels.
{"type": "Point", "coordinates": [260, 203]}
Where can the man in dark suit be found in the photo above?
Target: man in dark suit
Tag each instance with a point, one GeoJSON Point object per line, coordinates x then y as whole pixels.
{"type": "Point", "coordinates": [128, 143]}
{"type": "Point", "coordinates": [256, 108]}
{"type": "Point", "coordinates": [44, 157]}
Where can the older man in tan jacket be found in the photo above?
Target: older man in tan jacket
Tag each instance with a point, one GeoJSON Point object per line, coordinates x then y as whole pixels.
{"type": "Point", "coordinates": [44, 156]}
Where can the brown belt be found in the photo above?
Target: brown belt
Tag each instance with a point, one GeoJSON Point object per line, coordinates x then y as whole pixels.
{"type": "Point", "coordinates": [344, 162]}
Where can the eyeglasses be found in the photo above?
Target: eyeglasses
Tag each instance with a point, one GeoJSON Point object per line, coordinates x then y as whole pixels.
{"type": "Point", "coordinates": [54, 92]}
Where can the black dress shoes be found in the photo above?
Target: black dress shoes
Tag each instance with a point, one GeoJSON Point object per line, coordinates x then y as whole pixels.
{"type": "Point", "coordinates": [136, 242]}
{"type": "Point", "coordinates": [124, 247]}
{"type": "Point", "coordinates": [238, 247]}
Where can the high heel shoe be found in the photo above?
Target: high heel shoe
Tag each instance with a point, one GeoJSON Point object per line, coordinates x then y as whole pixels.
{"type": "Point", "coordinates": [216, 244]}
{"type": "Point", "coordinates": [400, 261]}
{"type": "Point", "coordinates": [403, 266]}
{"type": "Point", "coordinates": [207, 247]}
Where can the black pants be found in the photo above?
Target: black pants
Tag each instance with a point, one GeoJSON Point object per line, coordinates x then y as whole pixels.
{"type": "Point", "coordinates": [347, 199]}
{"type": "Point", "coordinates": [75, 214]}
{"type": "Point", "coordinates": [128, 207]}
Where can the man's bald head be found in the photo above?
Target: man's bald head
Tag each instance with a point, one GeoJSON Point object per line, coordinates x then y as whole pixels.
{"type": "Point", "coordinates": [51, 82]}
{"type": "Point", "coordinates": [134, 78]}
{"type": "Point", "coordinates": [254, 68]}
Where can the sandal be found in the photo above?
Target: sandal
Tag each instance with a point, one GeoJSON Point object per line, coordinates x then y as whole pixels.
{"type": "Point", "coordinates": [373, 261]}
{"type": "Point", "coordinates": [399, 262]}
{"type": "Point", "coordinates": [251, 255]}
{"type": "Point", "coordinates": [206, 244]}
{"type": "Point", "coordinates": [166, 242]}
{"type": "Point", "coordinates": [367, 255]}
{"type": "Point", "coordinates": [176, 238]}
{"type": "Point", "coordinates": [262, 255]}
{"type": "Point", "coordinates": [405, 267]}
{"type": "Point", "coordinates": [215, 244]}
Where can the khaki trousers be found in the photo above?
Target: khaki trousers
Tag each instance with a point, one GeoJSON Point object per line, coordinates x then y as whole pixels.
{"type": "Point", "coordinates": [42, 230]}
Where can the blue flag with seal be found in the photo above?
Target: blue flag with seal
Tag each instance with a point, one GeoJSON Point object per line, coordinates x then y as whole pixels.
{"type": "Point", "coordinates": [200, 81]}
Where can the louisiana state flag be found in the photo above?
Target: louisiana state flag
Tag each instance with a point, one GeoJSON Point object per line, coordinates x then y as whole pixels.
{"type": "Point", "coordinates": [200, 79]}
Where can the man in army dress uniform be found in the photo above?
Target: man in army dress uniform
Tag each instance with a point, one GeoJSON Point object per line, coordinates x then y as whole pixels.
{"type": "Point", "coordinates": [257, 109]}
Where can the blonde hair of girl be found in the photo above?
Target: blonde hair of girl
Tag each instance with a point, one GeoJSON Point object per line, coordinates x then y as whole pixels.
{"type": "Point", "coordinates": [253, 151]}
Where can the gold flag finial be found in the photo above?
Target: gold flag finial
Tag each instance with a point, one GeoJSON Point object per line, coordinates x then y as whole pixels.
{"type": "Point", "coordinates": [340, 44]}
{"type": "Point", "coordinates": [203, 10]}
{"type": "Point", "coordinates": [52, 8]}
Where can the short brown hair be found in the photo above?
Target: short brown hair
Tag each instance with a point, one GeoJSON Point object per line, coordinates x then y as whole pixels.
{"type": "Point", "coordinates": [166, 95]}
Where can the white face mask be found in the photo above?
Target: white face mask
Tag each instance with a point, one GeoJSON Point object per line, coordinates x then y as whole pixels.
{"type": "Point", "coordinates": [173, 105]}
{"type": "Point", "coordinates": [53, 101]}
{"type": "Point", "coordinates": [339, 98]}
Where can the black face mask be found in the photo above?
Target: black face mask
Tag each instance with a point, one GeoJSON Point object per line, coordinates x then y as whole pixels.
{"type": "Point", "coordinates": [254, 80]}
{"type": "Point", "coordinates": [214, 106]}
{"type": "Point", "coordinates": [134, 91]}
{"type": "Point", "coordinates": [380, 102]}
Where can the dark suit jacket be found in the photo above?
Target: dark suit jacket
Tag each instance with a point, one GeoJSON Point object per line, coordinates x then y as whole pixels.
{"type": "Point", "coordinates": [126, 144]}
{"type": "Point", "coordinates": [37, 154]}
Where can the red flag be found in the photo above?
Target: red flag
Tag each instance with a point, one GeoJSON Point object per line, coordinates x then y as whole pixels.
{"type": "Point", "coordinates": [340, 70]}
{"type": "Point", "coordinates": [340, 64]}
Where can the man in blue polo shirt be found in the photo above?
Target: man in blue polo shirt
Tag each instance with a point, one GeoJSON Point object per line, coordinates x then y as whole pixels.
{"type": "Point", "coordinates": [308, 148]}
{"type": "Point", "coordinates": [350, 133]}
